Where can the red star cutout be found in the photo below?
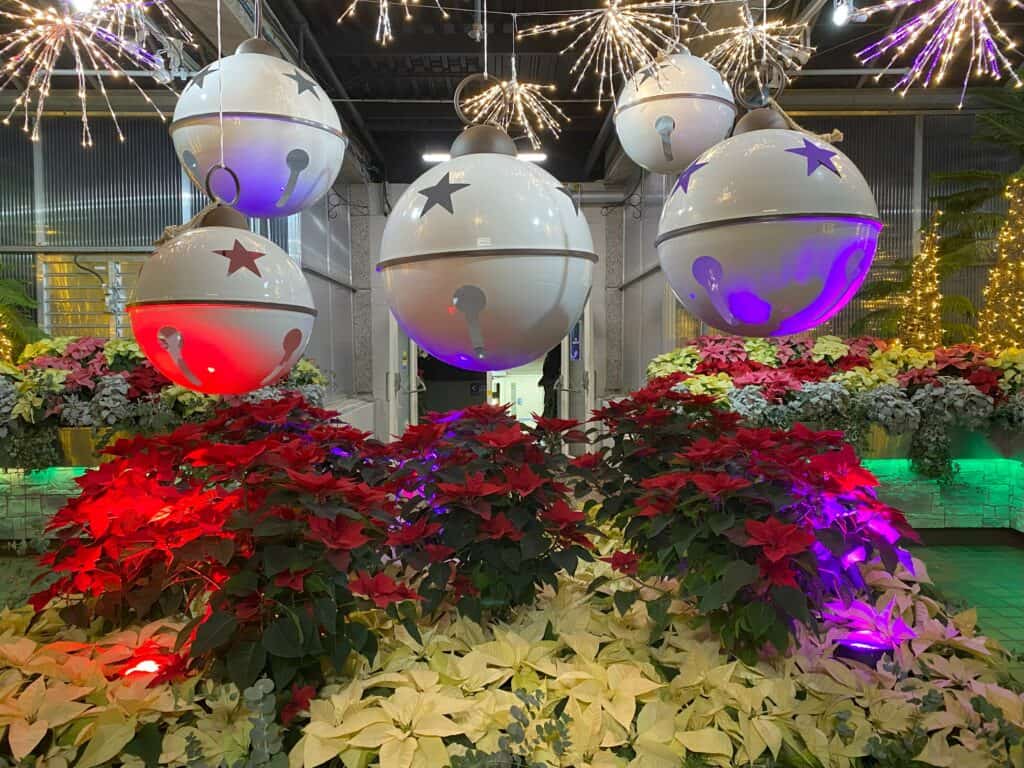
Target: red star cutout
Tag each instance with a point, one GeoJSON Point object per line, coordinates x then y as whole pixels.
{"type": "Point", "coordinates": [241, 259]}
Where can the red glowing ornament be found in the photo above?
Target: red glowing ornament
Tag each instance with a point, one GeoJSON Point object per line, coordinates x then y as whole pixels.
{"type": "Point", "coordinates": [221, 310]}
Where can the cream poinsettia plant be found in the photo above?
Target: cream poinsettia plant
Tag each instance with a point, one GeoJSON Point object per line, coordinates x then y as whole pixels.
{"type": "Point", "coordinates": [632, 704]}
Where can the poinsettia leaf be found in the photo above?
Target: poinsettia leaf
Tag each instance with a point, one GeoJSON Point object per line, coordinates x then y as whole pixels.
{"type": "Point", "coordinates": [737, 575]}
{"type": "Point", "coordinates": [758, 618]}
{"type": "Point", "coordinates": [624, 600]}
{"type": "Point", "coordinates": [326, 611]}
{"type": "Point", "coordinates": [215, 632]}
{"type": "Point", "coordinates": [284, 637]}
{"type": "Point", "coordinates": [596, 584]}
{"type": "Point", "coordinates": [793, 602]}
{"type": "Point", "coordinates": [245, 664]}
{"type": "Point", "coordinates": [147, 745]}
{"type": "Point", "coordinates": [565, 559]}
{"type": "Point", "coordinates": [412, 629]}
{"type": "Point", "coordinates": [242, 583]}
{"type": "Point", "coordinates": [721, 521]}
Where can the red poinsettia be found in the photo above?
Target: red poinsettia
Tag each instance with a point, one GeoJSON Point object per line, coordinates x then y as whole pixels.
{"type": "Point", "coordinates": [505, 436]}
{"type": "Point", "coordinates": [778, 573]}
{"type": "Point", "coordinates": [624, 562]}
{"type": "Point", "coordinates": [522, 479]}
{"type": "Point", "coordinates": [381, 589]}
{"type": "Point", "coordinates": [776, 539]}
{"type": "Point", "coordinates": [554, 425]}
{"type": "Point", "coordinates": [407, 534]}
{"type": "Point", "coordinates": [562, 514]}
{"type": "Point", "coordinates": [714, 484]}
{"type": "Point", "coordinates": [298, 703]}
{"type": "Point", "coordinates": [587, 461]}
{"type": "Point", "coordinates": [500, 527]}
{"type": "Point", "coordinates": [341, 533]}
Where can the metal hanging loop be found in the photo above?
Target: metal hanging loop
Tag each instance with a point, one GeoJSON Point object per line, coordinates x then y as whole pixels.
{"type": "Point", "coordinates": [209, 185]}
{"type": "Point", "coordinates": [760, 86]}
{"type": "Point", "coordinates": [485, 78]}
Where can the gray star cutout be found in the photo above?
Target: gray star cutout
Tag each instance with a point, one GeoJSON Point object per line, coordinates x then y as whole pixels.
{"type": "Point", "coordinates": [440, 194]}
{"type": "Point", "coordinates": [575, 200]}
{"type": "Point", "coordinates": [199, 78]}
{"type": "Point", "coordinates": [303, 83]}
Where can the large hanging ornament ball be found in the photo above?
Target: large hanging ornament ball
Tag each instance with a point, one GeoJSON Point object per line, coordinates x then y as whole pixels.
{"type": "Point", "coordinates": [487, 260]}
{"type": "Point", "coordinates": [671, 111]}
{"type": "Point", "coordinates": [282, 136]}
{"type": "Point", "coordinates": [221, 310]}
{"type": "Point", "coordinates": [768, 233]}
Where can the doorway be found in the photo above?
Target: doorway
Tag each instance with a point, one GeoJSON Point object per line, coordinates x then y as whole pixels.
{"type": "Point", "coordinates": [420, 383]}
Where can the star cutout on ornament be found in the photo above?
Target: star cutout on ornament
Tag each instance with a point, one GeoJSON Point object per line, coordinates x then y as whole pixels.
{"type": "Point", "coordinates": [440, 194]}
{"type": "Point", "coordinates": [653, 71]}
{"type": "Point", "coordinates": [240, 258]}
{"type": "Point", "coordinates": [817, 157]}
{"type": "Point", "coordinates": [575, 200]}
{"type": "Point", "coordinates": [684, 177]}
{"type": "Point", "coordinates": [199, 79]}
{"type": "Point", "coordinates": [303, 83]}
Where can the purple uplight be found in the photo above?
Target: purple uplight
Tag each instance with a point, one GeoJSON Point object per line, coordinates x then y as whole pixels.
{"type": "Point", "coordinates": [866, 640]}
{"type": "Point", "coordinates": [854, 556]}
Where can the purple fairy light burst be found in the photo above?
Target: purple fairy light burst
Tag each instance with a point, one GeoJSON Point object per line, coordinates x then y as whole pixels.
{"type": "Point", "coordinates": [944, 31]}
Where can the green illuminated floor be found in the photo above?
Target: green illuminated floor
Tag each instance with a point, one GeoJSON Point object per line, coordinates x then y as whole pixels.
{"type": "Point", "coordinates": [988, 576]}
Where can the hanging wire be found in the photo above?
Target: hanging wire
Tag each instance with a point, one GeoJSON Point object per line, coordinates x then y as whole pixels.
{"type": "Point", "coordinates": [257, 18]}
{"type": "Point", "coordinates": [486, 71]}
{"type": "Point", "coordinates": [220, 82]}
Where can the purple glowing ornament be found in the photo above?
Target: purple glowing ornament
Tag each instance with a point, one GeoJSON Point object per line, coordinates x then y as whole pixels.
{"type": "Point", "coordinates": [768, 233]}
{"type": "Point", "coordinates": [281, 134]}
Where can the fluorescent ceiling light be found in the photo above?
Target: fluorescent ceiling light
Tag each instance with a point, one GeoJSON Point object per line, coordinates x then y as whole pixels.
{"type": "Point", "coordinates": [444, 157]}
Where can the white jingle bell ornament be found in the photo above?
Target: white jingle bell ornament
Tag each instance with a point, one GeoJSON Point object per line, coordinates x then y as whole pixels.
{"type": "Point", "coordinates": [487, 260]}
{"type": "Point", "coordinates": [671, 111]}
{"type": "Point", "coordinates": [221, 310]}
{"type": "Point", "coordinates": [768, 233]}
{"type": "Point", "coordinates": [282, 135]}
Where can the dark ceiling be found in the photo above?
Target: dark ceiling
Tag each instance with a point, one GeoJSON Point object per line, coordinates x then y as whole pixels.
{"type": "Point", "coordinates": [401, 93]}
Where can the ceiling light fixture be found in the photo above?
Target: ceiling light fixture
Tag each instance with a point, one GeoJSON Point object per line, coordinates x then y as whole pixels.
{"type": "Point", "coordinates": [444, 157]}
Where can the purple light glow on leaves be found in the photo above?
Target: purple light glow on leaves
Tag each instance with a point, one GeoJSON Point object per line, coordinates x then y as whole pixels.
{"type": "Point", "coordinates": [945, 29]}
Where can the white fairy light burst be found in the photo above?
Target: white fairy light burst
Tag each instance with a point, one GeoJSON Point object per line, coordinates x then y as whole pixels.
{"type": "Point", "coordinates": [944, 30]}
{"type": "Point", "coordinates": [96, 42]}
{"type": "Point", "coordinates": [617, 41]}
{"type": "Point", "coordinates": [510, 103]}
{"type": "Point", "coordinates": [384, 33]}
{"type": "Point", "coordinates": [745, 47]}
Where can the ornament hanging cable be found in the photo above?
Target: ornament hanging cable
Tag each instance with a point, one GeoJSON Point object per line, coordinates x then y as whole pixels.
{"type": "Point", "coordinates": [220, 85]}
{"type": "Point", "coordinates": [486, 71]}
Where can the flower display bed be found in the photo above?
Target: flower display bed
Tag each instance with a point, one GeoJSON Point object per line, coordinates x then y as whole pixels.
{"type": "Point", "coordinates": [889, 400]}
{"type": "Point", "coordinates": [64, 386]}
{"type": "Point", "coordinates": [272, 588]}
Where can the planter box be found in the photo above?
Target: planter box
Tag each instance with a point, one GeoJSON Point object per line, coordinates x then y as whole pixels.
{"type": "Point", "coordinates": [79, 445]}
{"type": "Point", "coordinates": [882, 445]}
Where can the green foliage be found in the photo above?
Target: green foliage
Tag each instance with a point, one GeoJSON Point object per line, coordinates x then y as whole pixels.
{"type": "Point", "coordinates": [16, 307]}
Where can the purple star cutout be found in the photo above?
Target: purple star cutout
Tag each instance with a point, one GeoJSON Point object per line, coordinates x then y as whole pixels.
{"type": "Point", "coordinates": [240, 258]}
{"type": "Point", "coordinates": [684, 177]}
{"type": "Point", "coordinates": [817, 157]}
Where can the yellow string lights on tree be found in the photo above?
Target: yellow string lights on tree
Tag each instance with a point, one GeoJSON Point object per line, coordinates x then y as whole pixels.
{"type": "Point", "coordinates": [1001, 323]}
{"type": "Point", "coordinates": [745, 46]}
{"type": "Point", "coordinates": [943, 30]}
{"type": "Point", "coordinates": [93, 41]}
{"type": "Point", "coordinates": [616, 41]}
{"type": "Point", "coordinates": [921, 324]}
{"type": "Point", "coordinates": [385, 33]}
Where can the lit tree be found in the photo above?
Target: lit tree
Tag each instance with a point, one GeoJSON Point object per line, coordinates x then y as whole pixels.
{"type": "Point", "coordinates": [921, 325]}
{"type": "Point", "coordinates": [1001, 323]}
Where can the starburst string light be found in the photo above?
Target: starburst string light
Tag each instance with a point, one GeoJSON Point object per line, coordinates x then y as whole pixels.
{"type": "Point", "coordinates": [385, 33]}
{"type": "Point", "coordinates": [98, 41]}
{"type": "Point", "coordinates": [945, 29]}
{"type": "Point", "coordinates": [510, 103]}
{"type": "Point", "coordinates": [744, 47]}
{"type": "Point", "coordinates": [617, 41]}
